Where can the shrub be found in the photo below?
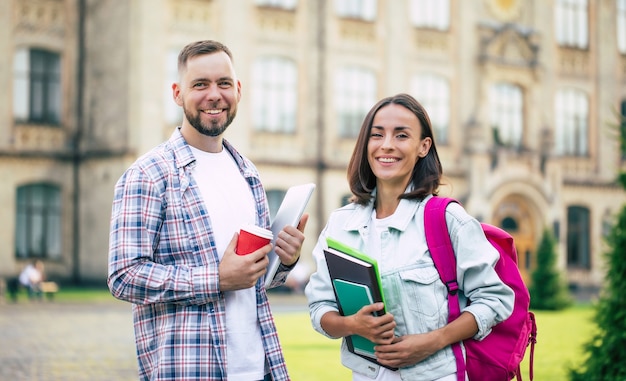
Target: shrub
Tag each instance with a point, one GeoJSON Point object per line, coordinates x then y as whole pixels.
{"type": "Point", "coordinates": [548, 291]}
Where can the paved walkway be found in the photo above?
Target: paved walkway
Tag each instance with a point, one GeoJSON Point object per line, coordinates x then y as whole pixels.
{"type": "Point", "coordinates": [53, 341]}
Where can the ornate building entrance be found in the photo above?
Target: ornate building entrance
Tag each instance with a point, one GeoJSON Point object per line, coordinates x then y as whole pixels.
{"type": "Point", "coordinates": [514, 215]}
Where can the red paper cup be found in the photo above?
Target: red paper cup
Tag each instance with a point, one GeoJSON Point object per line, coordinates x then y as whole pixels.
{"type": "Point", "coordinates": [252, 238]}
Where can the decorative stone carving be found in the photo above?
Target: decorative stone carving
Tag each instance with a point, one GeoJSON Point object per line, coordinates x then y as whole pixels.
{"type": "Point", "coordinates": [39, 138]}
{"type": "Point", "coordinates": [357, 30]}
{"type": "Point", "coordinates": [276, 20]}
{"type": "Point", "coordinates": [504, 10]}
{"type": "Point", "coordinates": [433, 40]}
{"type": "Point", "coordinates": [192, 15]}
{"type": "Point", "coordinates": [573, 61]}
{"type": "Point", "coordinates": [508, 44]}
{"type": "Point", "coordinates": [45, 17]}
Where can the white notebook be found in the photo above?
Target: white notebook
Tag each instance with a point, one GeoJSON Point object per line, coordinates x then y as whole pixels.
{"type": "Point", "coordinates": [289, 213]}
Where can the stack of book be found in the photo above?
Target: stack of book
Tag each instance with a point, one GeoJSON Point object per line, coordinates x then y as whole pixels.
{"type": "Point", "coordinates": [356, 282]}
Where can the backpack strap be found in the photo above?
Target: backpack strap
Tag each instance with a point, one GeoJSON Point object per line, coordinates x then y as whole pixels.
{"type": "Point", "coordinates": [533, 340]}
{"type": "Point", "coordinates": [442, 253]}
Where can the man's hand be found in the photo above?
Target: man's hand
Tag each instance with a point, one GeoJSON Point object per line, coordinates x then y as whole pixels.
{"type": "Point", "coordinates": [289, 242]}
{"type": "Point", "coordinates": [238, 272]}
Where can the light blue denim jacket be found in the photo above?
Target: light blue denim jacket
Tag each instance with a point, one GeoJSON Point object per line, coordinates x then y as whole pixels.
{"type": "Point", "coordinates": [414, 293]}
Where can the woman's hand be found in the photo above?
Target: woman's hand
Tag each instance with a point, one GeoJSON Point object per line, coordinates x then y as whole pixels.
{"type": "Point", "coordinates": [407, 350]}
{"type": "Point", "coordinates": [410, 349]}
{"type": "Point", "coordinates": [377, 329]}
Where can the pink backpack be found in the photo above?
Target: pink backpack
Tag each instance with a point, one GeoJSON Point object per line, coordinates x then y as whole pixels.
{"type": "Point", "coordinates": [498, 356]}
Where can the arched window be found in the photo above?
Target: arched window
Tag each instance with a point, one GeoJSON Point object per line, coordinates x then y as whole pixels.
{"type": "Point", "coordinates": [509, 224]}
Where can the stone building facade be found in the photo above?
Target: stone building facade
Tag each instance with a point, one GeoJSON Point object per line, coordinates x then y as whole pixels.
{"type": "Point", "coordinates": [525, 98]}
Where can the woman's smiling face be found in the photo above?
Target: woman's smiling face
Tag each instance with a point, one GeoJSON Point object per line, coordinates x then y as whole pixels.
{"type": "Point", "coordinates": [395, 145]}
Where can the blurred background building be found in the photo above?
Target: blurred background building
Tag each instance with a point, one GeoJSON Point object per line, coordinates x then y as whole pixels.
{"type": "Point", "coordinates": [526, 98]}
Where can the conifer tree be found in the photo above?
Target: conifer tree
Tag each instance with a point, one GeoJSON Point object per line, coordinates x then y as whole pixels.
{"type": "Point", "coordinates": [548, 291]}
{"type": "Point", "coordinates": [605, 353]}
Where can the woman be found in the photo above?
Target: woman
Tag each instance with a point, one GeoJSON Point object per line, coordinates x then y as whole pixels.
{"type": "Point", "coordinates": [393, 171]}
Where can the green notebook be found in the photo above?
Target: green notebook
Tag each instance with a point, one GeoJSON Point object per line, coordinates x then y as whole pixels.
{"type": "Point", "coordinates": [347, 263]}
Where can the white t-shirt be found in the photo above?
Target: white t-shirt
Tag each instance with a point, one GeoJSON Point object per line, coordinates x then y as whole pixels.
{"type": "Point", "coordinates": [30, 276]}
{"type": "Point", "coordinates": [231, 205]}
{"type": "Point", "coordinates": [374, 250]}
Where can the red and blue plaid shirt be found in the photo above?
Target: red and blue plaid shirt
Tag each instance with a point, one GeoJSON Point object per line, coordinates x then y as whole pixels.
{"type": "Point", "coordinates": [162, 258]}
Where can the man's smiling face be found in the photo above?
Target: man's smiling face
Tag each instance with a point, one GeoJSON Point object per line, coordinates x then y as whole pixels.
{"type": "Point", "coordinates": [209, 93]}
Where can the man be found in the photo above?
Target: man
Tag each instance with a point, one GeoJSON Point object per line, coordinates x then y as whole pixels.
{"type": "Point", "coordinates": [31, 277]}
{"type": "Point", "coordinates": [200, 310]}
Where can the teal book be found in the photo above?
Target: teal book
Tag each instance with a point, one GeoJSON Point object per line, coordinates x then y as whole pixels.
{"type": "Point", "coordinates": [352, 297]}
{"type": "Point", "coordinates": [356, 282]}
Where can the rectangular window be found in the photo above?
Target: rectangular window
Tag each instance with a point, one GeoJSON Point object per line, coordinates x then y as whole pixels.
{"type": "Point", "coordinates": [355, 90]}
{"type": "Point", "coordinates": [173, 112]}
{"type": "Point", "coordinates": [622, 124]}
{"type": "Point", "coordinates": [356, 9]}
{"type": "Point", "coordinates": [621, 26]}
{"type": "Point", "coordinates": [572, 115]}
{"type": "Point", "coordinates": [38, 222]}
{"type": "Point", "coordinates": [578, 238]}
{"type": "Point", "coordinates": [282, 4]}
{"type": "Point", "coordinates": [275, 94]}
{"type": "Point", "coordinates": [274, 199]}
{"type": "Point", "coordinates": [506, 103]}
{"type": "Point", "coordinates": [572, 23]}
{"type": "Point", "coordinates": [37, 86]}
{"type": "Point", "coordinates": [433, 92]}
{"type": "Point", "coordinates": [433, 14]}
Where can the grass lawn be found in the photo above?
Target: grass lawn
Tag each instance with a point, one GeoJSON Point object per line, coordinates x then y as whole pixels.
{"type": "Point", "coordinates": [311, 356]}
{"type": "Point", "coordinates": [73, 294]}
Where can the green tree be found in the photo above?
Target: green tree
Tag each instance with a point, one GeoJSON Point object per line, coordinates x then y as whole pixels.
{"type": "Point", "coordinates": [605, 353]}
{"type": "Point", "coordinates": [548, 290]}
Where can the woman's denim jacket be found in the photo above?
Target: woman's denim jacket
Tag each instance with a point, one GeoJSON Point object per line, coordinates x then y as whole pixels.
{"type": "Point", "coordinates": [414, 293]}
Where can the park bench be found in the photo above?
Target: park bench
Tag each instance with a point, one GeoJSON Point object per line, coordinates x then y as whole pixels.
{"type": "Point", "coordinates": [13, 287]}
{"type": "Point", "coordinates": [49, 289]}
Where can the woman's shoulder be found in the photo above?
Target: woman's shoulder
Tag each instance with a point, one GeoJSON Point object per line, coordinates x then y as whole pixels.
{"type": "Point", "coordinates": [457, 214]}
{"type": "Point", "coordinates": [349, 214]}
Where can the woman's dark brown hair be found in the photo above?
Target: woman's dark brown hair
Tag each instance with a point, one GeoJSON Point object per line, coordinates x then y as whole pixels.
{"type": "Point", "coordinates": [427, 171]}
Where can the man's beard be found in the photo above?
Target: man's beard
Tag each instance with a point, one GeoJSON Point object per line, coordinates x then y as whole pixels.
{"type": "Point", "coordinates": [214, 128]}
